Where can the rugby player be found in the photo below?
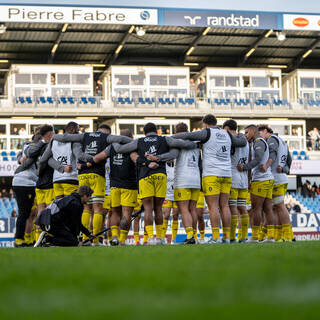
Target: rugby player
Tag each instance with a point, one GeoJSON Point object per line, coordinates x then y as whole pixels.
{"type": "Point", "coordinates": [261, 184]}
{"type": "Point", "coordinates": [200, 212]}
{"type": "Point", "coordinates": [93, 176]}
{"type": "Point", "coordinates": [280, 162]}
{"type": "Point", "coordinates": [152, 175]}
{"type": "Point", "coordinates": [169, 206]}
{"type": "Point", "coordinates": [239, 186]}
{"type": "Point", "coordinates": [216, 176]}
{"type": "Point", "coordinates": [124, 189]}
{"type": "Point", "coordinates": [107, 202]}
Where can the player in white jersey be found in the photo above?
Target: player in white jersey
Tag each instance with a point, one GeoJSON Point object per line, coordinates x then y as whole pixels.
{"type": "Point", "coordinates": [261, 184]}
{"type": "Point", "coordinates": [216, 174]}
{"type": "Point", "coordinates": [169, 204]}
{"type": "Point", "coordinates": [280, 162]}
{"type": "Point", "coordinates": [239, 186]}
{"type": "Point", "coordinates": [187, 183]}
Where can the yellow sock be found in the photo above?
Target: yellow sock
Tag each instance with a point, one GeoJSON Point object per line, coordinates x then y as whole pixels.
{"type": "Point", "coordinates": [202, 234]}
{"type": "Point", "coordinates": [270, 231]}
{"type": "Point", "coordinates": [287, 232]}
{"type": "Point", "coordinates": [19, 242]}
{"type": "Point", "coordinates": [97, 224]}
{"type": "Point", "coordinates": [85, 220]}
{"type": "Point", "coordinates": [28, 238]}
{"type": "Point", "coordinates": [216, 233]}
{"type": "Point", "coordinates": [123, 236]}
{"type": "Point", "coordinates": [136, 237]}
{"type": "Point", "coordinates": [263, 233]}
{"type": "Point", "coordinates": [226, 233]}
{"type": "Point", "coordinates": [255, 232]}
{"type": "Point", "coordinates": [114, 231]}
{"type": "Point", "coordinates": [175, 224]}
{"type": "Point", "coordinates": [233, 229]}
{"type": "Point", "coordinates": [277, 233]}
{"type": "Point", "coordinates": [37, 233]}
{"type": "Point", "coordinates": [145, 237]}
{"type": "Point", "coordinates": [149, 230]}
{"type": "Point", "coordinates": [195, 234]}
{"type": "Point", "coordinates": [239, 236]}
{"type": "Point", "coordinates": [189, 232]}
{"type": "Point", "coordinates": [159, 231]}
{"type": "Point", "coordinates": [244, 226]}
{"type": "Point", "coordinates": [164, 228]}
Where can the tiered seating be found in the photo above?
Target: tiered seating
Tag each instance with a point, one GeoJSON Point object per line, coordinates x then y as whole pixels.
{"type": "Point", "coordinates": [7, 156]}
{"type": "Point", "coordinates": [161, 101]}
{"type": "Point", "coordinates": [7, 206]}
{"type": "Point", "coordinates": [51, 100]}
{"type": "Point", "coordinates": [311, 205]}
{"type": "Point", "coordinates": [299, 155]}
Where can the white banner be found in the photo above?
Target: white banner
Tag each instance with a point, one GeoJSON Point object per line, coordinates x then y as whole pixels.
{"type": "Point", "coordinates": [80, 15]}
{"type": "Point", "coordinates": [305, 167]}
{"type": "Point", "coordinates": [7, 168]}
{"type": "Point", "coordinates": [301, 22]}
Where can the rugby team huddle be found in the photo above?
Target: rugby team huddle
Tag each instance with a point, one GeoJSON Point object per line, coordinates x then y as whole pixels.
{"type": "Point", "coordinates": [159, 176]}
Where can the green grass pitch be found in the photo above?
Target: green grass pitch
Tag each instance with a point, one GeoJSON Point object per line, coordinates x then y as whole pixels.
{"type": "Point", "coordinates": [248, 281]}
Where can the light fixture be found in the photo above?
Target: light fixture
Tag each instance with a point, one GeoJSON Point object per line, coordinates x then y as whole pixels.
{"type": "Point", "coordinates": [4, 61]}
{"type": "Point", "coordinates": [278, 119]}
{"type": "Point", "coordinates": [205, 31]}
{"type": "Point", "coordinates": [191, 64]}
{"type": "Point", "coordinates": [281, 36]}
{"type": "Point", "coordinates": [307, 54]}
{"type": "Point", "coordinates": [64, 28]}
{"type": "Point", "coordinates": [54, 49]}
{"type": "Point", "coordinates": [154, 118]}
{"type": "Point", "coordinates": [95, 65]}
{"type": "Point", "coordinates": [250, 52]}
{"type": "Point", "coordinates": [190, 51]}
{"type": "Point", "coordinates": [140, 31]}
{"type": "Point", "coordinates": [3, 28]}
{"type": "Point", "coordinates": [131, 29]}
{"type": "Point", "coordinates": [268, 34]}
{"type": "Point", "coordinates": [277, 66]}
{"type": "Point", "coordinates": [24, 118]}
{"type": "Point", "coordinates": [119, 49]}
{"type": "Point", "coordinates": [87, 118]}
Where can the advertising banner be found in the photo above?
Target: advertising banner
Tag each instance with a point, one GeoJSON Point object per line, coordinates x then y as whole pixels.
{"type": "Point", "coordinates": [307, 167]}
{"type": "Point", "coordinates": [221, 19]}
{"type": "Point", "coordinates": [301, 22]}
{"type": "Point", "coordinates": [79, 15]}
{"type": "Point", "coordinates": [7, 168]}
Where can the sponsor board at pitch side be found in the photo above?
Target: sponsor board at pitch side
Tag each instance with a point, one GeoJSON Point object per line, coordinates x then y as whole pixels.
{"type": "Point", "coordinates": [221, 19]}
{"type": "Point", "coordinates": [81, 15]}
{"type": "Point", "coordinates": [301, 22]}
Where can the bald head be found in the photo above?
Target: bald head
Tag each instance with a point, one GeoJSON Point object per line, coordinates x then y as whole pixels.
{"type": "Point", "coordinates": [126, 132]}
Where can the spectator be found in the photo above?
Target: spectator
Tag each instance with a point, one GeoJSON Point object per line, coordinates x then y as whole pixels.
{"type": "Point", "coordinates": [99, 88]}
{"type": "Point", "coordinates": [289, 207]}
{"type": "Point", "coordinates": [11, 194]}
{"type": "Point", "coordinates": [15, 131]}
{"type": "Point", "coordinates": [23, 132]}
{"type": "Point", "coordinates": [296, 208]}
{"type": "Point", "coordinates": [314, 135]}
{"type": "Point", "coordinates": [4, 194]}
{"type": "Point", "coordinates": [201, 89]}
{"type": "Point", "coordinates": [313, 192]}
{"type": "Point", "coordinates": [306, 189]}
{"type": "Point", "coordinates": [193, 88]}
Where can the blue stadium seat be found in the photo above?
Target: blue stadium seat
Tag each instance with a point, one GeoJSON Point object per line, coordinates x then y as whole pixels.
{"type": "Point", "coordinates": [303, 153]}
{"type": "Point", "coordinates": [84, 100]}
{"type": "Point", "coordinates": [92, 100]}
{"type": "Point", "coordinates": [29, 100]}
{"type": "Point", "coordinates": [141, 100]}
{"type": "Point", "coordinates": [70, 100]}
{"type": "Point", "coordinates": [50, 100]}
{"type": "Point", "coordinates": [42, 100]}
{"type": "Point", "coordinates": [14, 159]}
{"type": "Point", "coordinates": [190, 101]}
{"type": "Point", "coordinates": [182, 101]}
{"type": "Point", "coordinates": [299, 158]}
{"type": "Point", "coordinates": [162, 101]}
{"type": "Point", "coordinates": [3, 211]}
{"type": "Point", "coordinates": [150, 100]}
{"type": "Point", "coordinates": [121, 100]}
{"type": "Point", "coordinates": [4, 153]}
{"type": "Point", "coordinates": [5, 159]}
{"type": "Point", "coordinates": [128, 100]}
{"type": "Point", "coordinates": [8, 206]}
{"type": "Point", "coordinates": [12, 153]}
{"type": "Point", "coordinates": [63, 100]}
{"type": "Point", "coordinates": [22, 100]}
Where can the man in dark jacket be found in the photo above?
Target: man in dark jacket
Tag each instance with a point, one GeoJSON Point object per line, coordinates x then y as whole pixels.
{"type": "Point", "coordinates": [61, 220]}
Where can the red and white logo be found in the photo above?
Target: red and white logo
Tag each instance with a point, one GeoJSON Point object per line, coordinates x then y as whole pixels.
{"type": "Point", "coordinates": [301, 22]}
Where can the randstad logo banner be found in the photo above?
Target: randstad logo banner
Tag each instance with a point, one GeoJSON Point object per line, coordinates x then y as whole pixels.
{"type": "Point", "coordinates": [217, 19]}
{"type": "Point", "coordinates": [301, 22]}
{"type": "Point", "coordinates": [80, 15]}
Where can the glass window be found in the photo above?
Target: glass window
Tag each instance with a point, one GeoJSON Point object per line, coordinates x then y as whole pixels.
{"type": "Point", "coordinates": [3, 129]}
{"type": "Point", "coordinates": [262, 82]}
{"type": "Point", "coordinates": [39, 92]}
{"type": "Point", "coordinates": [281, 130]}
{"type": "Point", "coordinates": [23, 78]}
{"type": "Point", "coordinates": [22, 92]}
{"type": "Point", "coordinates": [246, 81]}
{"type": "Point", "coordinates": [39, 78]}
{"type": "Point", "coordinates": [135, 94]}
{"type": "Point", "coordinates": [3, 144]}
{"type": "Point", "coordinates": [274, 82]}
{"type": "Point", "coordinates": [80, 93]}
{"type": "Point", "coordinates": [297, 130]}
{"type": "Point", "coordinates": [317, 93]}
{"type": "Point", "coordinates": [126, 126]}
{"type": "Point", "coordinates": [84, 128]}
{"type": "Point", "coordinates": [295, 144]}
{"type": "Point", "coordinates": [307, 95]}
{"type": "Point", "coordinates": [232, 82]}
{"type": "Point", "coordinates": [34, 128]}
{"type": "Point", "coordinates": [317, 82]}
{"type": "Point", "coordinates": [307, 83]}
{"type": "Point", "coordinates": [17, 129]}
{"type": "Point", "coordinates": [63, 78]}
{"type": "Point", "coordinates": [177, 80]}
{"type": "Point", "coordinates": [16, 143]}
{"type": "Point", "coordinates": [122, 93]}
{"type": "Point", "coordinates": [177, 93]}
{"type": "Point", "coordinates": [217, 81]}
{"type": "Point", "coordinates": [121, 79]}
{"type": "Point", "coordinates": [80, 79]}
{"type": "Point", "coordinates": [271, 95]}
{"type": "Point", "coordinates": [60, 92]}
{"type": "Point", "coordinates": [163, 129]}
{"type": "Point", "coordinates": [156, 80]}
{"type": "Point", "coordinates": [232, 94]}
{"type": "Point", "coordinates": [138, 79]}
{"type": "Point", "coordinates": [140, 129]}
{"type": "Point", "coordinates": [158, 94]}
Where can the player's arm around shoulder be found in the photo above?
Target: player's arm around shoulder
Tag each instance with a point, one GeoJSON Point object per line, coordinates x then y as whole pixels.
{"type": "Point", "coordinates": [126, 148]}
{"type": "Point", "coordinates": [69, 137]}
{"type": "Point", "coordinates": [180, 143]}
